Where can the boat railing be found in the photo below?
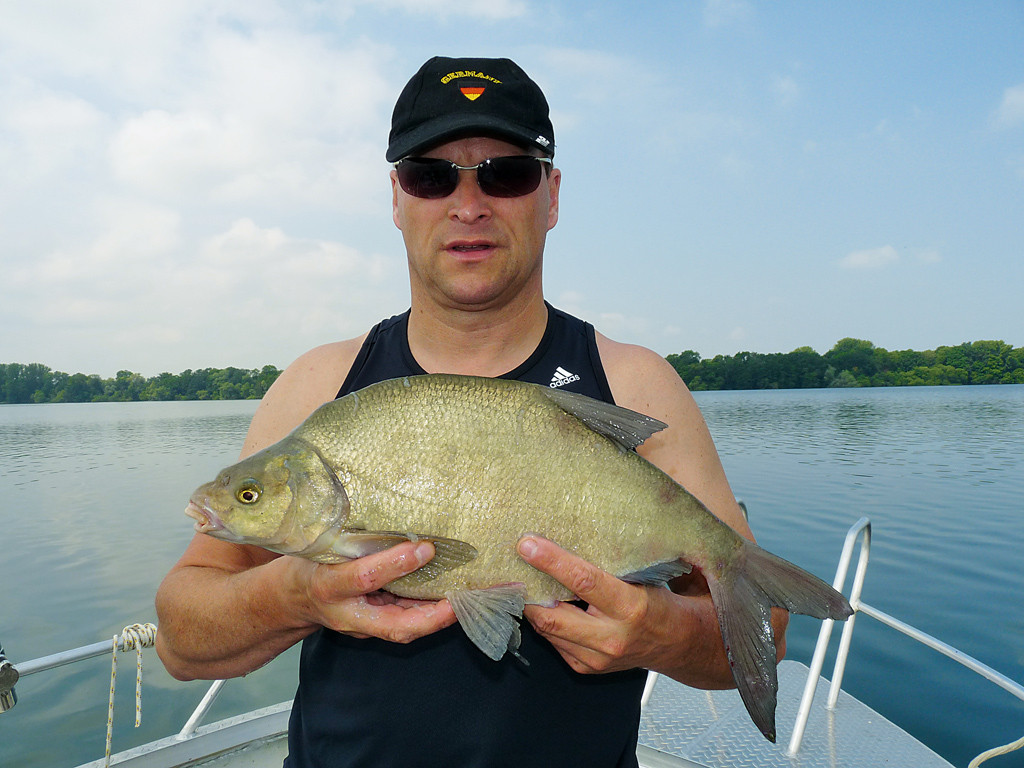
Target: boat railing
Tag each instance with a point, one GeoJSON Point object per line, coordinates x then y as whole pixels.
{"type": "Point", "coordinates": [860, 532]}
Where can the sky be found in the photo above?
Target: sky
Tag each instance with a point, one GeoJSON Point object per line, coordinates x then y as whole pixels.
{"type": "Point", "coordinates": [202, 183]}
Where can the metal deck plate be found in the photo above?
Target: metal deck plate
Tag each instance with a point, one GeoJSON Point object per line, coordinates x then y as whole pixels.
{"type": "Point", "coordinates": [712, 729]}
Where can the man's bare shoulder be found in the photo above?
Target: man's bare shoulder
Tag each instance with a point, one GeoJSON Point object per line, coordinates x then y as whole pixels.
{"type": "Point", "coordinates": [639, 377]}
{"type": "Point", "coordinates": [312, 380]}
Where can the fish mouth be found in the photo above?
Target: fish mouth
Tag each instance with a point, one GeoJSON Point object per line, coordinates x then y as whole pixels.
{"type": "Point", "coordinates": [206, 520]}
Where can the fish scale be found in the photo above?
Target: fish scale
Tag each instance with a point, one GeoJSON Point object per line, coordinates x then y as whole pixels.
{"type": "Point", "coordinates": [472, 464]}
{"type": "Point", "coordinates": [464, 480]}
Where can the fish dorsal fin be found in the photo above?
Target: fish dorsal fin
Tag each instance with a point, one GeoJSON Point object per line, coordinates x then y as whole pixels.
{"type": "Point", "coordinates": [625, 427]}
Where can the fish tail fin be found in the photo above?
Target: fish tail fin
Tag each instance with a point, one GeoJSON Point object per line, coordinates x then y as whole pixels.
{"type": "Point", "coordinates": [743, 597]}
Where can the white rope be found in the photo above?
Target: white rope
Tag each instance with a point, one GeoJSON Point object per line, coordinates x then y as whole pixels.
{"type": "Point", "coordinates": [137, 637]}
{"type": "Point", "coordinates": [1003, 750]}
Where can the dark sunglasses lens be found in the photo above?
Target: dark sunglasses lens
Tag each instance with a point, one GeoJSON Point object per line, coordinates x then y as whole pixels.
{"type": "Point", "coordinates": [509, 176]}
{"type": "Point", "coordinates": [430, 179]}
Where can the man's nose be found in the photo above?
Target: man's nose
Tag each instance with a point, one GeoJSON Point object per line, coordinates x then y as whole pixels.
{"type": "Point", "coordinates": [468, 201]}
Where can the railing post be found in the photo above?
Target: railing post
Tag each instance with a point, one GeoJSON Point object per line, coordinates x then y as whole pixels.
{"type": "Point", "coordinates": [844, 642]}
{"type": "Point", "coordinates": [8, 679]}
{"type": "Point", "coordinates": [821, 647]}
{"type": "Point", "coordinates": [201, 711]}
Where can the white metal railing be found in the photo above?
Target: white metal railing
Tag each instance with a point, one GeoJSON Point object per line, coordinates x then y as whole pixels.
{"type": "Point", "coordinates": [861, 531]}
{"type": "Point", "coordinates": [44, 663]}
{"type": "Point", "coordinates": [201, 710]}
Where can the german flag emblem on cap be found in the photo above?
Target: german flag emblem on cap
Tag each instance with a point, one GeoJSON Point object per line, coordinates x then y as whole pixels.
{"type": "Point", "coordinates": [471, 93]}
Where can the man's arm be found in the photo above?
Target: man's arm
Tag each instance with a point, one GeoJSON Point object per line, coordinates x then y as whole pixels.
{"type": "Point", "coordinates": [226, 609]}
{"type": "Point", "coordinates": [674, 632]}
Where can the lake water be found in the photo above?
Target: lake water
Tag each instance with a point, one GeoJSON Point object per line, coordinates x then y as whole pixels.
{"type": "Point", "coordinates": [91, 500]}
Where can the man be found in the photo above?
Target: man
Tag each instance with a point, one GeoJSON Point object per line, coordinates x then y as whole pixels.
{"type": "Point", "coordinates": [387, 681]}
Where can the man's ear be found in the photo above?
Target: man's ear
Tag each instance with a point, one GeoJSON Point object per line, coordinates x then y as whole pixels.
{"type": "Point", "coordinates": [554, 184]}
{"type": "Point", "coordinates": [394, 198]}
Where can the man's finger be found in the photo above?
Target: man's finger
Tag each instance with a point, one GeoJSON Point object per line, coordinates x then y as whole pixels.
{"type": "Point", "coordinates": [394, 622]}
{"type": "Point", "coordinates": [370, 573]}
{"type": "Point", "coordinates": [588, 582]}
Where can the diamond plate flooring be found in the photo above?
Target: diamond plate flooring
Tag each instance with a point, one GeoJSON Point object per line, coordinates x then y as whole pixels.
{"type": "Point", "coordinates": [682, 726]}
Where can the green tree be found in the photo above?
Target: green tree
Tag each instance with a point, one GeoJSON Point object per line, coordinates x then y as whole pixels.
{"type": "Point", "coordinates": [21, 383]}
{"type": "Point", "coordinates": [80, 388]}
{"type": "Point", "coordinates": [854, 355]}
{"type": "Point", "coordinates": [845, 379]}
{"type": "Point", "coordinates": [687, 365]}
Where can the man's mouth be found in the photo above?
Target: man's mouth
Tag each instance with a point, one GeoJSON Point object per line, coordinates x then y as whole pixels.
{"type": "Point", "coordinates": [470, 247]}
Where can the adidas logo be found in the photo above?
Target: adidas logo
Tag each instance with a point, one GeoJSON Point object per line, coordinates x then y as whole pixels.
{"type": "Point", "coordinates": [562, 377]}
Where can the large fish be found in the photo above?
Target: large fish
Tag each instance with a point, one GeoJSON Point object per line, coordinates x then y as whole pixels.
{"type": "Point", "coordinates": [471, 464]}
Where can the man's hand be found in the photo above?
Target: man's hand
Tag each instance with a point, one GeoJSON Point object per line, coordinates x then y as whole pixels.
{"type": "Point", "coordinates": [227, 609]}
{"type": "Point", "coordinates": [345, 597]}
{"type": "Point", "coordinates": [624, 625]}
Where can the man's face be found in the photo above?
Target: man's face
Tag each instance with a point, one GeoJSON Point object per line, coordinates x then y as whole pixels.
{"type": "Point", "coordinates": [470, 250]}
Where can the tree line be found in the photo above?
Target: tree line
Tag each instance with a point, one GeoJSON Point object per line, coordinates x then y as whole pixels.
{"type": "Point", "coordinates": [854, 363]}
{"type": "Point", "coordinates": [850, 363]}
{"type": "Point", "coordinates": [36, 383]}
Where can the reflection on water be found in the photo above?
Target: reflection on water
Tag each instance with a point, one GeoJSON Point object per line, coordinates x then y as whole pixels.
{"type": "Point", "coordinates": [91, 500]}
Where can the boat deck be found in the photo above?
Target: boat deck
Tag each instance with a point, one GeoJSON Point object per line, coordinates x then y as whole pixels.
{"type": "Point", "coordinates": [681, 727]}
{"type": "Point", "coordinates": [685, 727]}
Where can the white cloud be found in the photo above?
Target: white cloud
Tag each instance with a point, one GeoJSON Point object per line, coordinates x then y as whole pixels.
{"type": "Point", "coordinates": [785, 90]}
{"type": "Point", "coordinates": [132, 235]}
{"type": "Point", "coordinates": [872, 258]}
{"type": "Point", "coordinates": [1010, 113]}
{"type": "Point", "coordinates": [592, 77]}
{"type": "Point", "coordinates": [285, 294]}
{"type": "Point", "coordinates": [172, 153]}
{"type": "Point", "coordinates": [720, 13]}
{"type": "Point", "coordinates": [885, 256]}
{"type": "Point", "coordinates": [492, 10]}
{"type": "Point", "coordinates": [927, 255]}
{"type": "Point", "coordinates": [572, 302]}
{"type": "Point", "coordinates": [270, 117]}
{"type": "Point", "coordinates": [618, 325]}
{"type": "Point", "coordinates": [42, 131]}
{"type": "Point", "coordinates": [284, 290]}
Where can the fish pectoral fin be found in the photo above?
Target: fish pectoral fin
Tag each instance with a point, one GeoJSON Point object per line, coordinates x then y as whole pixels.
{"type": "Point", "coordinates": [625, 427]}
{"type": "Point", "coordinates": [658, 574]}
{"type": "Point", "coordinates": [449, 554]}
{"type": "Point", "coordinates": [351, 543]}
{"type": "Point", "coordinates": [489, 617]}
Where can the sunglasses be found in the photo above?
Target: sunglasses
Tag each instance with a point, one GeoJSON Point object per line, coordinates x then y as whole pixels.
{"type": "Point", "coordinates": [434, 178]}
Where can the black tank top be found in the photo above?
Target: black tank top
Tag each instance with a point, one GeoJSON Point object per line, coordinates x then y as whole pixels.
{"type": "Point", "coordinates": [438, 701]}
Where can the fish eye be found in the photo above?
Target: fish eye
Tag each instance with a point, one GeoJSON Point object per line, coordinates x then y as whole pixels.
{"type": "Point", "coordinates": [249, 492]}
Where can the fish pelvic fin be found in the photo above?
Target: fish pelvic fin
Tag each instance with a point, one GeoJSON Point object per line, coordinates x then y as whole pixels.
{"type": "Point", "coordinates": [625, 427]}
{"type": "Point", "coordinates": [743, 598]}
{"type": "Point", "coordinates": [489, 617]}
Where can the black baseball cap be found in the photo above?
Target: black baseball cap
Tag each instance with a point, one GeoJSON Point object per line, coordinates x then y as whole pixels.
{"type": "Point", "coordinates": [450, 98]}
